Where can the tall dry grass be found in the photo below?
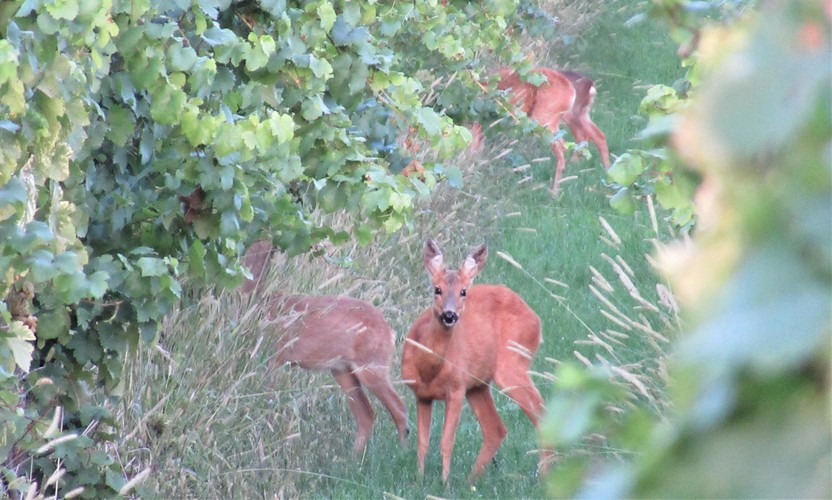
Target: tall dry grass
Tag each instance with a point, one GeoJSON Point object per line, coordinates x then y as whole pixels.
{"type": "Point", "coordinates": [633, 343]}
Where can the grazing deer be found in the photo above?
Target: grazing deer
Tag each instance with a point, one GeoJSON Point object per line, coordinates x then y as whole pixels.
{"type": "Point", "coordinates": [345, 336]}
{"type": "Point", "coordinates": [469, 337]}
{"type": "Point", "coordinates": [565, 95]}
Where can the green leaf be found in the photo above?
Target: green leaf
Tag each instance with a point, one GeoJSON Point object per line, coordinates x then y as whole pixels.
{"type": "Point", "coordinates": [364, 235]}
{"type": "Point", "coordinates": [227, 139]}
{"type": "Point", "coordinates": [283, 127]}
{"type": "Point", "coordinates": [145, 70]}
{"type": "Point", "coordinates": [263, 136]}
{"type": "Point", "coordinates": [70, 287]}
{"type": "Point", "coordinates": [429, 120]}
{"type": "Point", "coordinates": [114, 479]}
{"type": "Point", "coordinates": [214, 36]}
{"type": "Point", "coordinates": [122, 125]}
{"type": "Point", "coordinates": [229, 223]}
{"type": "Point", "coordinates": [8, 61]}
{"type": "Point", "coordinates": [256, 58]}
{"type": "Point", "coordinates": [166, 106]}
{"type": "Point", "coordinates": [20, 347]}
{"type": "Point", "coordinates": [454, 177]}
{"type": "Point", "coordinates": [53, 324]}
{"type": "Point", "coordinates": [268, 44]}
{"type": "Point", "coordinates": [390, 27]}
{"type": "Point", "coordinates": [321, 68]}
{"type": "Point", "coordinates": [62, 9]}
{"type": "Point", "coordinates": [13, 197]}
{"type": "Point", "coordinates": [274, 7]}
{"type": "Point", "coordinates": [197, 130]}
{"type": "Point", "coordinates": [98, 284]}
{"type": "Point", "coordinates": [393, 223]}
{"type": "Point", "coordinates": [378, 199]}
{"type": "Point", "coordinates": [149, 331]}
{"type": "Point", "coordinates": [674, 193]}
{"type": "Point", "coordinates": [327, 15]}
{"type": "Point", "coordinates": [313, 108]}
{"type": "Point", "coordinates": [290, 169]}
{"type": "Point", "coordinates": [626, 169]}
{"type": "Point", "coordinates": [740, 116]}
{"type": "Point", "coordinates": [181, 58]}
{"type": "Point", "coordinates": [400, 201]}
{"type": "Point", "coordinates": [152, 266]}
{"type": "Point", "coordinates": [85, 347]}
{"type": "Point", "coordinates": [196, 259]}
{"type": "Point", "coordinates": [40, 266]}
{"type": "Point", "coordinates": [660, 98]}
{"type": "Point", "coordinates": [623, 201]}
{"type": "Point", "coordinates": [14, 97]}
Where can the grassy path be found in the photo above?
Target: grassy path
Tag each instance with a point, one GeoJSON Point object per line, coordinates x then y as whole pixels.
{"type": "Point", "coordinates": [560, 239]}
{"type": "Point", "coordinates": [552, 240]}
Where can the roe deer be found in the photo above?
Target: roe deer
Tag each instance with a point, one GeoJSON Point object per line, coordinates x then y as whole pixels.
{"type": "Point", "coordinates": [346, 336]}
{"type": "Point", "coordinates": [469, 337]}
{"type": "Point", "coordinates": [565, 95]}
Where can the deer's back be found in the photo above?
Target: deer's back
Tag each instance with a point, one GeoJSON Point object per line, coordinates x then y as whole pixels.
{"type": "Point", "coordinates": [522, 93]}
{"type": "Point", "coordinates": [502, 313]}
{"type": "Point", "coordinates": [552, 97]}
{"type": "Point", "coordinates": [331, 332]}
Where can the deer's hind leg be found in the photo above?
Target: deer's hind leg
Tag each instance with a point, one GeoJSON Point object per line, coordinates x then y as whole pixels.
{"type": "Point", "coordinates": [359, 405]}
{"type": "Point", "coordinates": [513, 378]}
{"type": "Point", "coordinates": [493, 429]}
{"type": "Point", "coordinates": [377, 380]}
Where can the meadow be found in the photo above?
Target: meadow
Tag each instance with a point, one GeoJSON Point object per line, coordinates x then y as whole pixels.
{"type": "Point", "coordinates": [204, 410]}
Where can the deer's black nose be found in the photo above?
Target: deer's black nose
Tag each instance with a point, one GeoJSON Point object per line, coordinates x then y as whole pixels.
{"type": "Point", "coordinates": [449, 317]}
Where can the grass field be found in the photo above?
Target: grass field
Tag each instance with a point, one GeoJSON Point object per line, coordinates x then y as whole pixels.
{"type": "Point", "coordinates": [204, 412]}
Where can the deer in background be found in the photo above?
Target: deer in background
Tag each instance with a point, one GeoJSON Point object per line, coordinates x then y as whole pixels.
{"type": "Point", "coordinates": [346, 336]}
{"type": "Point", "coordinates": [469, 337]}
{"type": "Point", "coordinates": [565, 95]}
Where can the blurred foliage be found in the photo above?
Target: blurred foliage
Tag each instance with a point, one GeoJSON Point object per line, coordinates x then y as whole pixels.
{"type": "Point", "coordinates": [750, 379]}
{"type": "Point", "coordinates": [144, 144]}
{"type": "Point", "coordinates": [653, 171]}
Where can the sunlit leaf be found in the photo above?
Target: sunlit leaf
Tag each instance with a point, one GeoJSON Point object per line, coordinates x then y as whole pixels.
{"type": "Point", "coordinates": [20, 346]}
{"type": "Point", "coordinates": [626, 169]}
{"type": "Point", "coordinates": [327, 15]}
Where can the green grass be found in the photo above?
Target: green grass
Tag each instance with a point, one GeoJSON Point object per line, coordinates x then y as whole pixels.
{"type": "Point", "coordinates": [213, 422]}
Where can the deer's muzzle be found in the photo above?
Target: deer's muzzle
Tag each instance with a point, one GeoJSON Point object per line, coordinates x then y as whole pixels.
{"type": "Point", "coordinates": [449, 318]}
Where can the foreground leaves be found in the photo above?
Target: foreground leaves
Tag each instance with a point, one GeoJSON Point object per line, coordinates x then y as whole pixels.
{"type": "Point", "coordinates": [750, 379]}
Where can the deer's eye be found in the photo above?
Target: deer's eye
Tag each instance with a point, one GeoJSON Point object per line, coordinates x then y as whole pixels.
{"type": "Point", "coordinates": [437, 291]}
{"type": "Point", "coordinates": [463, 292]}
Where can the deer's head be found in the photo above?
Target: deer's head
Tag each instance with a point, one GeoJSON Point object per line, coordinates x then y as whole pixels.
{"type": "Point", "coordinates": [451, 287]}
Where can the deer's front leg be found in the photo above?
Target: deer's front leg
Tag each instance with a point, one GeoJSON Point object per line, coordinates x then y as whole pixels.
{"type": "Point", "coordinates": [453, 410]}
{"type": "Point", "coordinates": [423, 413]}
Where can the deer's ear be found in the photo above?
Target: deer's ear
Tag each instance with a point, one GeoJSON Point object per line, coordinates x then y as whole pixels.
{"type": "Point", "coordinates": [475, 261]}
{"type": "Point", "coordinates": [433, 261]}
